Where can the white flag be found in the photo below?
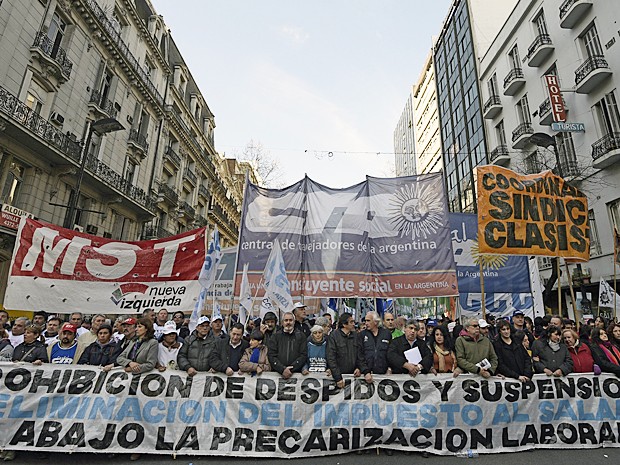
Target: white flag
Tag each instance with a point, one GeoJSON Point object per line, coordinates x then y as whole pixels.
{"type": "Point", "coordinates": [193, 320]}
{"type": "Point", "coordinates": [277, 287]}
{"type": "Point", "coordinates": [606, 295]}
{"type": "Point", "coordinates": [217, 311]}
{"type": "Point", "coordinates": [212, 259]}
{"type": "Point", "coordinates": [245, 297]}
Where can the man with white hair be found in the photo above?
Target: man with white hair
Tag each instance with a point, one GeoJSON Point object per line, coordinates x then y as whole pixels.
{"type": "Point", "coordinates": [475, 353]}
{"type": "Point", "coordinates": [375, 342]}
{"type": "Point", "coordinates": [89, 337]}
{"type": "Point", "coordinates": [299, 310]}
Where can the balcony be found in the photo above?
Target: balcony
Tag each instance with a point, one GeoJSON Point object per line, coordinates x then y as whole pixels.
{"type": "Point", "coordinates": [513, 81]}
{"type": "Point", "coordinates": [606, 151]}
{"type": "Point", "coordinates": [569, 169]}
{"type": "Point", "coordinates": [101, 106]}
{"type": "Point", "coordinates": [168, 194]}
{"type": "Point", "coordinates": [545, 114]}
{"type": "Point", "coordinates": [492, 107]}
{"type": "Point", "coordinates": [203, 191]}
{"type": "Point", "coordinates": [190, 176]}
{"type": "Point", "coordinates": [51, 57]}
{"type": "Point", "coordinates": [591, 73]}
{"type": "Point", "coordinates": [572, 11]}
{"type": "Point", "coordinates": [33, 124]}
{"type": "Point", "coordinates": [173, 157]}
{"type": "Point", "coordinates": [539, 51]}
{"type": "Point", "coordinates": [138, 143]}
{"type": "Point", "coordinates": [187, 211]}
{"type": "Point", "coordinates": [151, 232]}
{"type": "Point", "coordinates": [521, 135]}
{"type": "Point", "coordinates": [500, 156]}
{"type": "Point", "coordinates": [110, 36]}
{"type": "Point", "coordinates": [200, 221]}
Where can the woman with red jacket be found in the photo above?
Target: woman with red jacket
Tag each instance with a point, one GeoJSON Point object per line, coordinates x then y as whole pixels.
{"type": "Point", "coordinates": [583, 362]}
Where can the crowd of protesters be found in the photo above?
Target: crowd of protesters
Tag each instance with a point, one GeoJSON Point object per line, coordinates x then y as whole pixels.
{"type": "Point", "coordinates": [516, 347]}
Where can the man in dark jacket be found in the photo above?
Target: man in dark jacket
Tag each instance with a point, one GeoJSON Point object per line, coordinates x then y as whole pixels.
{"type": "Point", "coordinates": [397, 358]}
{"type": "Point", "coordinates": [288, 349]}
{"type": "Point", "coordinates": [375, 341]}
{"type": "Point", "coordinates": [344, 352]}
{"type": "Point", "coordinates": [227, 353]}
{"type": "Point", "coordinates": [299, 310]}
{"type": "Point", "coordinates": [195, 353]}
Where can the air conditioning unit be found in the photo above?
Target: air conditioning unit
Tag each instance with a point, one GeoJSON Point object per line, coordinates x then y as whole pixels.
{"type": "Point", "coordinates": [92, 229]}
{"type": "Point", "coordinates": [57, 118]}
{"type": "Point", "coordinates": [78, 228]}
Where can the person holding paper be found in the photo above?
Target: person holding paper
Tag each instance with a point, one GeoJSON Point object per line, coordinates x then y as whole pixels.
{"type": "Point", "coordinates": [408, 354]}
{"type": "Point", "coordinates": [474, 353]}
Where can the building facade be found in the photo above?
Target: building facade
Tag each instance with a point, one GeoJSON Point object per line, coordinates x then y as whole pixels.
{"type": "Point", "coordinates": [575, 42]}
{"type": "Point", "coordinates": [463, 39]}
{"type": "Point", "coordinates": [426, 121]}
{"type": "Point", "coordinates": [66, 68]}
{"type": "Point", "coordinates": [404, 141]}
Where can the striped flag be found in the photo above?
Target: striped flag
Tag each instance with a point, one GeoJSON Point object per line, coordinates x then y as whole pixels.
{"type": "Point", "coordinates": [245, 297]}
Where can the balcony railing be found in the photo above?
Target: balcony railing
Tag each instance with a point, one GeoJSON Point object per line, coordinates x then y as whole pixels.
{"type": "Point", "coordinates": [493, 100]}
{"type": "Point", "coordinates": [169, 193]}
{"type": "Point", "coordinates": [592, 63]}
{"type": "Point", "coordinates": [522, 129]}
{"type": "Point", "coordinates": [543, 39]}
{"type": "Point", "coordinates": [138, 139]}
{"type": "Point", "coordinates": [191, 176]}
{"type": "Point", "coordinates": [187, 210]}
{"type": "Point", "coordinates": [105, 105]}
{"type": "Point", "coordinates": [58, 54]}
{"type": "Point", "coordinates": [174, 157]}
{"type": "Point", "coordinates": [110, 29]}
{"type": "Point", "coordinates": [158, 232]}
{"type": "Point", "coordinates": [544, 107]}
{"type": "Point", "coordinates": [200, 221]}
{"type": "Point", "coordinates": [569, 167]}
{"type": "Point", "coordinates": [516, 73]}
{"type": "Point", "coordinates": [22, 114]}
{"type": "Point", "coordinates": [202, 190]}
{"type": "Point", "coordinates": [499, 151]}
{"type": "Point", "coordinates": [605, 145]}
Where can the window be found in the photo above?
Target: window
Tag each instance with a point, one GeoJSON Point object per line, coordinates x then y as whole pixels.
{"type": "Point", "coordinates": [34, 103]}
{"type": "Point", "coordinates": [595, 244]}
{"type": "Point", "coordinates": [532, 163]}
{"type": "Point", "coordinates": [523, 110]}
{"type": "Point", "coordinates": [591, 42]}
{"type": "Point", "coordinates": [566, 154]}
{"type": "Point", "coordinates": [614, 213]}
{"type": "Point", "coordinates": [540, 26]}
{"type": "Point", "coordinates": [607, 115]}
{"type": "Point", "coordinates": [36, 97]}
{"type": "Point", "coordinates": [12, 187]}
{"type": "Point", "coordinates": [513, 58]}
{"type": "Point", "coordinates": [500, 134]}
{"type": "Point", "coordinates": [56, 33]}
{"type": "Point", "coordinates": [492, 84]}
{"type": "Point", "coordinates": [131, 174]}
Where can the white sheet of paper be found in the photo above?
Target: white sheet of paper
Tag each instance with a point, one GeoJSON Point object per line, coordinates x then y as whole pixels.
{"type": "Point", "coordinates": [484, 364]}
{"type": "Point", "coordinates": [413, 355]}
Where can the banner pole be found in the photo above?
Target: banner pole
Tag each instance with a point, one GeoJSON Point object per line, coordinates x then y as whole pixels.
{"type": "Point", "coordinates": [615, 264]}
{"type": "Point", "coordinates": [558, 269]}
{"type": "Point", "coordinates": [578, 314]}
{"type": "Point", "coordinates": [483, 305]}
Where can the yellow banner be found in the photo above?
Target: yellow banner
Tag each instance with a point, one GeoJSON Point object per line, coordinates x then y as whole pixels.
{"type": "Point", "coordinates": [536, 214]}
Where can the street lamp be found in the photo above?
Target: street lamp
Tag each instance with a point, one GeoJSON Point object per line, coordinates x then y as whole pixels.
{"type": "Point", "coordinates": [101, 127]}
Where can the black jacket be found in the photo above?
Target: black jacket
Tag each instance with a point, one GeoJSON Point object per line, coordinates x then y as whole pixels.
{"type": "Point", "coordinates": [287, 349]}
{"type": "Point", "coordinates": [512, 360]}
{"type": "Point", "coordinates": [30, 352]}
{"type": "Point", "coordinates": [96, 355]}
{"type": "Point", "coordinates": [376, 349]}
{"type": "Point", "coordinates": [602, 361]}
{"type": "Point", "coordinates": [303, 327]}
{"type": "Point", "coordinates": [220, 356]}
{"type": "Point", "coordinates": [550, 359]}
{"type": "Point", "coordinates": [195, 353]}
{"type": "Point", "coordinates": [396, 354]}
{"type": "Point", "coordinates": [345, 354]}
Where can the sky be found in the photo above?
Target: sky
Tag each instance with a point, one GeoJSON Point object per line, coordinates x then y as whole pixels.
{"type": "Point", "coordinates": [319, 84]}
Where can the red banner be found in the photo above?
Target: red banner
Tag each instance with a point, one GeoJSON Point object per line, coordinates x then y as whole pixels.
{"type": "Point", "coordinates": [61, 270]}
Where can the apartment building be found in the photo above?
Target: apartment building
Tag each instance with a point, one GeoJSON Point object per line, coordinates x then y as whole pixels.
{"type": "Point", "coordinates": [404, 141]}
{"type": "Point", "coordinates": [574, 42]}
{"type": "Point", "coordinates": [99, 111]}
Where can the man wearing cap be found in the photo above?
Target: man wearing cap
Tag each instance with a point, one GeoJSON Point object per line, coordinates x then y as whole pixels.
{"type": "Point", "coordinates": [492, 328]}
{"type": "Point", "coordinates": [128, 329]}
{"type": "Point", "coordinates": [268, 326]}
{"type": "Point", "coordinates": [518, 323]}
{"type": "Point", "coordinates": [67, 350]}
{"type": "Point", "coordinates": [195, 353]}
{"type": "Point", "coordinates": [484, 328]}
{"type": "Point", "coordinates": [169, 347]}
{"type": "Point", "coordinates": [288, 349]}
{"type": "Point", "coordinates": [299, 310]}
{"type": "Point", "coordinates": [217, 331]}
{"type": "Point", "coordinates": [227, 354]}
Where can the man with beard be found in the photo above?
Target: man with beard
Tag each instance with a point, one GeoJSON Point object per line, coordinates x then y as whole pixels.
{"type": "Point", "coordinates": [268, 326]}
{"type": "Point", "coordinates": [67, 350]}
{"type": "Point", "coordinates": [288, 349]}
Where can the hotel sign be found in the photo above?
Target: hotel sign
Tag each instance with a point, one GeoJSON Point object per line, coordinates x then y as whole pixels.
{"type": "Point", "coordinates": [555, 97]}
{"type": "Point", "coordinates": [568, 127]}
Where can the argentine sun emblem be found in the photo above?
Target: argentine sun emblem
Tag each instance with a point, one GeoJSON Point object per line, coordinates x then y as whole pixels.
{"type": "Point", "coordinates": [417, 210]}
